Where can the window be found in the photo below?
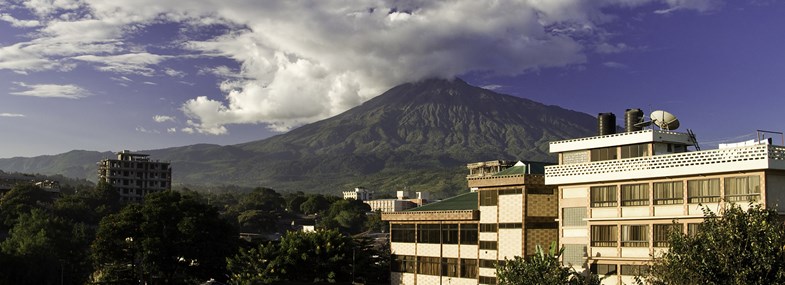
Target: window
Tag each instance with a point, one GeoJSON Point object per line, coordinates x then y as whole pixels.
{"type": "Point", "coordinates": [574, 254]}
{"type": "Point", "coordinates": [510, 225]}
{"type": "Point", "coordinates": [668, 193]}
{"type": "Point", "coordinates": [635, 235]}
{"type": "Point", "coordinates": [450, 234]}
{"type": "Point", "coordinates": [488, 228]}
{"type": "Point", "coordinates": [489, 198]}
{"type": "Point", "coordinates": [574, 216]}
{"type": "Point", "coordinates": [450, 267]}
{"type": "Point", "coordinates": [634, 270]}
{"type": "Point", "coordinates": [403, 263]}
{"type": "Point", "coordinates": [428, 233]}
{"type": "Point", "coordinates": [603, 196]}
{"type": "Point", "coordinates": [635, 195]}
{"type": "Point", "coordinates": [663, 231]}
{"type": "Point", "coordinates": [603, 269]}
{"type": "Point", "coordinates": [606, 153]}
{"type": "Point", "coordinates": [742, 189]}
{"type": "Point", "coordinates": [402, 233]}
{"type": "Point", "coordinates": [489, 263]}
{"type": "Point", "coordinates": [636, 150]}
{"type": "Point", "coordinates": [469, 234]}
{"type": "Point", "coordinates": [469, 268]}
{"type": "Point", "coordinates": [484, 244]}
{"type": "Point", "coordinates": [604, 236]}
{"type": "Point", "coordinates": [703, 191]}
{"type": "Point", "coordinates": [693, 229]}
{"type": "Point", "coordinates": [487, 280]}
{"type": "Point", "coordinates": [428, 265]}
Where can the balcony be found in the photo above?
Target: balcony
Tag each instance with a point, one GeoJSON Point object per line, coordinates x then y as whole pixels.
{"type": "Point", "coordinates": [756, 157]}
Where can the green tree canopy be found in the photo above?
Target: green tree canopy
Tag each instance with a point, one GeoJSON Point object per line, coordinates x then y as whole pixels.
{"type": "Point", "coordinates": [170, 238]}
{"type": "Point", "coordinates": [736, 247]}
{"type": "Point", "coordinates": [542, 269]}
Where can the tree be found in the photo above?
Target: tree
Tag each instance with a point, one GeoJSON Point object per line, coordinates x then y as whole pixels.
{"type": "Point", "coordinates": [315, 204]}
{"type": "Point", "coordinates": [21, 199]}
{"type": "Point", "coordinates": [346, 215]}
{"type": "Point", "coordinates": [321, 256]}
{"type": "Point", "coordinates": [738, 247]}
{"type": "Point", "coordinates": [45, 249]}
{"type": "Point", "coordinates": [170, 238]}
{"type": "Point", "coordinates": [543, 269]}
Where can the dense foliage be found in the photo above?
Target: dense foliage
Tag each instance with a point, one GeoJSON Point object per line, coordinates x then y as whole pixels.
{"type": "Point", "coordinates": [321, 256]}
{"type": "Point", "coordinates": [542, 269]}
{"type": "Point", "coordinates": [736, 247]}
{"type": "Point", "coordinates": [176, 237]}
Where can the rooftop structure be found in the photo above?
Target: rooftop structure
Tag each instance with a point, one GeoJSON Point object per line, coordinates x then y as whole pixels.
{"type": "Point", "coordinates": [135, 175]}
{"type": "Point", "coordinates": [359, 193]}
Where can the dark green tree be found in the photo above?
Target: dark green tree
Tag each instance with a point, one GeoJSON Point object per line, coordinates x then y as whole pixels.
{"type": "Point", "coordinates": [348, 216]}
{"type": "Point", "coordinates": [736, 247]}
{"type": "Point", "coordinates": [45, 249]}
{"type": "Point", "coordinates": [315, 204]}
{"type": "Point", "coordinates": [542, 269]}
{"type": "Point", "coordinates": [169, 239]}
{"type": "Point", "coordinates": [21, 199]}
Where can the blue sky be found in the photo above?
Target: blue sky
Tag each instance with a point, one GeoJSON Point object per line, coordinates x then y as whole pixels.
{"type": "Point", "coordinates": [109, 75]}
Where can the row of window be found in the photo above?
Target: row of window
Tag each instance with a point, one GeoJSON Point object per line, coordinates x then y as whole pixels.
{"type": "Point", "coordinates": [610, 269]}
{"type": "Point", "coordinates": [740, 188]}
{"type": "Point", "coordinates": [636, 235]}
{"type": "Point", "coordinates": [450, 267]}
{"type": "Point", "coordinates": [627, 151]}
{"type": "Point", "coordinates": [435, 233]}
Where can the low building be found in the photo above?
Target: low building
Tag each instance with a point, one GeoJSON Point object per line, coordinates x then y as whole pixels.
{"type": "Point", "coordinates": [359, 193]}
{"type": "Point", "coordinates": [135, 175]}
{"type": "Point", "coordinates": [460, 240]}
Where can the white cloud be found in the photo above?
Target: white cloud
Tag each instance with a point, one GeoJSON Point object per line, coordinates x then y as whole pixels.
{"type": "Point", "coordinates": [162, 118]}
{"type": "Point", "coordinates": [146, 131]}
{"type": "Point", "coordinates": [149, 83]}
{"type": "Point", "coordinates": [11, 115]}
{"type": "Point", "coordinates": [188, 130]}
{"type": "Point", "coordinates": [133, 63]}
{"type": "Point", "coordinates": [492, 86]}
{"type": "Point", "coordinates": [174, 73]}
{"type": "Point", "coordinates": [304, 61]}
{"type": "Point", "coordinates": [19, 23]}
{"type": "Point", "coordinates": [68, 91]}
{"type": "Point", "coordinates": [171, 130]}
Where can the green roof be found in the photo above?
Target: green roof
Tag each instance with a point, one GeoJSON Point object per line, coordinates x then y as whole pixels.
{"type": "Point", "coordinates": [536, 168]}
{"type": "Point", "coordinates": [467, 201]}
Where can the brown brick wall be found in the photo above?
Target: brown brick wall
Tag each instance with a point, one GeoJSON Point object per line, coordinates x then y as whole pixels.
{"type": "Point", "coordinates": [542, 237]}
{"type": "Point", "coordinates": [542, 205]}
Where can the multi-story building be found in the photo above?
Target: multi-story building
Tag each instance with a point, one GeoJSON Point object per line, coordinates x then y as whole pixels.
{"type": "Point", "coordinates": [404, 200]}
{"type": "Point", "coordinates": [621, 194]}
{"type": "Point", "coordinates": [460, 240]}
{"type": "Point", "coordinates": [359, 193]}
{"type": "Point", "coordinates": [134, 175]}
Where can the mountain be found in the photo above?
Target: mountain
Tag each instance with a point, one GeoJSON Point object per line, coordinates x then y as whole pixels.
{"type": "Point", "coordinates": [416, 135]}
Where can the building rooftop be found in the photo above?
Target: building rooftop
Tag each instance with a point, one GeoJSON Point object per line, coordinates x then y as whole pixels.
{"type": "Point", "coordinates": [524, 168]}
{"type": "Point", "coordinates": [467, 201]}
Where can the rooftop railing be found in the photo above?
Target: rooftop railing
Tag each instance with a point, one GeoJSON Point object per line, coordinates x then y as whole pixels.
{"type": "Point", "coordinates": [670, 161]}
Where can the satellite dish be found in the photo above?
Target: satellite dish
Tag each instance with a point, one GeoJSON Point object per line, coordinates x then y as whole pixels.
{"type": "Point", "coordinates": [664, 120]}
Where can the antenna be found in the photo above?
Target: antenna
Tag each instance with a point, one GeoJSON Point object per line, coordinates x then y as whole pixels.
{"type": "Point", "coordinates": [664, 120]}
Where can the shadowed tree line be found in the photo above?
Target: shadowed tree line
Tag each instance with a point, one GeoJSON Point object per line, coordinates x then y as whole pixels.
{"type": "Point", "coordinates": [173, 237]}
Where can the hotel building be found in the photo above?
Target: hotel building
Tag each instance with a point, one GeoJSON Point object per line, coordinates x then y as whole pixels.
{"type": "Point", "coordinates": [620, 194]}
{"type": "Point", "coordinates": [134, 175]}
{"type": "Point", "coordinates": [460, 240]}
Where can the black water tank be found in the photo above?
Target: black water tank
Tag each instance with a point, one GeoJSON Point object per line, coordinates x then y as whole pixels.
{"type": "Point", "coordinates": [632, 117]}
{"type": "Point", "coordinates": [606, 124]}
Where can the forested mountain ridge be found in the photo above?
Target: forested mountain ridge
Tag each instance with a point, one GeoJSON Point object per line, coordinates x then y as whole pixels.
{"type": "Point", "coordinates": [416, 135]}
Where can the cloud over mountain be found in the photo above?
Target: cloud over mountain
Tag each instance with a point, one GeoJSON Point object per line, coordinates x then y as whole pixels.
{"type": "Point", "coordinates": [301, 61]}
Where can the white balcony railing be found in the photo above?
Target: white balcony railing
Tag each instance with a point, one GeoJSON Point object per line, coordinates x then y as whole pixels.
{"type": "Point", "coordinates": [686, 163]}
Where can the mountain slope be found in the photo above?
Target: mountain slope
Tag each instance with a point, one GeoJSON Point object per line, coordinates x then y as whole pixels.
{"type": "Point", "coordinates": [416, 135]}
